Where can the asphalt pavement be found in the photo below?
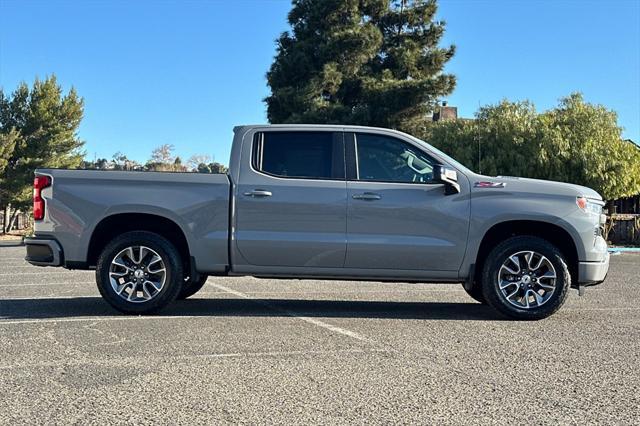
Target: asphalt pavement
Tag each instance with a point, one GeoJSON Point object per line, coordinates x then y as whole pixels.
{"type": "Point", "coordinates": [262, 351]}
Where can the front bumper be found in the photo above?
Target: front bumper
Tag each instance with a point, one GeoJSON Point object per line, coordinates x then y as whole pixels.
{"type": "Point", "coordinates": [43, 252]}
{"type": "Point", "coordinates": [592, 273]}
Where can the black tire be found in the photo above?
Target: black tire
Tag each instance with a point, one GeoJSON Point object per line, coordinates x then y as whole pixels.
{"type": "Point", "coordinates": [172, 265]}
{"type": "Point", "coordinates": [493, 263]}
{"type": "Point", "coordinates": [191, 285]}
{"type": "Point", "coordinates": [475, 292]}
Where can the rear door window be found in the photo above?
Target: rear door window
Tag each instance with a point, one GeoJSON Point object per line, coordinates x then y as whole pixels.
{"type": "Point", "coordinates": [305, 155]}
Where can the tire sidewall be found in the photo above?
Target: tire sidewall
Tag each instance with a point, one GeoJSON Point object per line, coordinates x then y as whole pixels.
{"type": "Point", "coordinates": [169, 256]}
{"type": "Point", "coordinates": [494, 261]}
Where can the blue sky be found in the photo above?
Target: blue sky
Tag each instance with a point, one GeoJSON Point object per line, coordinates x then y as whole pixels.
{"type": "Point", "coordinates": [186, 72]}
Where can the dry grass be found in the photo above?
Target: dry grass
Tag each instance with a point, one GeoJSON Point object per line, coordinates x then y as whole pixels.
{"type": "Point", "coordinates": [14, 235]}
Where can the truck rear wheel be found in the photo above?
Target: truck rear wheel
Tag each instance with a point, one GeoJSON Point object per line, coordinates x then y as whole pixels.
{"type": "Point", "coordinates": [525, 278]}
{"type": "Point", "coordinates": [139, 272]}
{"type": "Point", "coordinates": [192, 285]}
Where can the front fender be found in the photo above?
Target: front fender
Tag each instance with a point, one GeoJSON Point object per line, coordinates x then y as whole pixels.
{"type": "Point", "coordinates": [490, 209]}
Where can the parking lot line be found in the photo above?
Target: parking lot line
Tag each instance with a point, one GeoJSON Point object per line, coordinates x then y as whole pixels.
{"type": "Point", "coordinates": [631, 308]}
{"type": "Point", "coordinates": [45, 285]}
{"type": "Point", "coordinates": [16, 265]}
{"type": "Point", "coordinates": [339, 291]}
{"type": "Point", "coordinates": [316, 322]}
{"type": "Point", "coordinates": [34, 273]}
{"type": "Point", "coordinates": [114, 318]}
{"type": "Point", "coordinates": [45, 297]}
{"type": "Point", "coordinates": [132, 360]}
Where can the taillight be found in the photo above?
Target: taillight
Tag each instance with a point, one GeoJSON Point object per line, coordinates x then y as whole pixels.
{"type": "Point", "coordinates": [39, 183]}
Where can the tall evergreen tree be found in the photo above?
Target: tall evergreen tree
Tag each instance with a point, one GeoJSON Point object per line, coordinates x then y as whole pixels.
{"type": "Point", "coordinates": [42, 124]}
{"type": "Point", "coordinates": [369, 62]}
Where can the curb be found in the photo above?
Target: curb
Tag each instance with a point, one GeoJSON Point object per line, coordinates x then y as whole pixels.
{"type": "Point", "coordinates": [12, 243]}
{"type": "Point", "coordinates": [624, 249]}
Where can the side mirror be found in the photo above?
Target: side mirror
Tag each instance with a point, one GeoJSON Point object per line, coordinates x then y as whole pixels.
{"type": "Point", "coordinates": [447, 176]}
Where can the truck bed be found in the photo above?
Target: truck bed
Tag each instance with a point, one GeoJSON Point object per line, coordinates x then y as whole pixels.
{"type": "Point", "coordinates": [78, 201]}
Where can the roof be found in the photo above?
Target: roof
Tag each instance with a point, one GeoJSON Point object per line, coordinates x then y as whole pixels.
{"type": "Point", "coordinates": [318, 126]}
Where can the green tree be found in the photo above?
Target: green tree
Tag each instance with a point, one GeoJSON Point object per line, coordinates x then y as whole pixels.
{"type": "Point", "coordinates": [178, 166]}
{"type": "Point", "coordinates": [120, 161]}
{"type": "Point", "coordinates": [101, 164]}
{"type": "Point", "coordinates": [7, 145]}
{"type": "Point", "coordinates": [508, 138]}
{"type": "Point", "coordinates": [43, 123]}
{"type": "Point", "coordinates": [162, 159]}
{"type": "Point", "coordinates": [369, 62]}
{"type": "Point", "coordinates": [457, 138]}
{"type": "Point", "coordinates": [575, 142]}
{"type": "Point", "coordinates": [216, 167]}
{"type": "Point", "coordinates": [583, 144]}
{"type": "Point", "coordinates": [194, 162]}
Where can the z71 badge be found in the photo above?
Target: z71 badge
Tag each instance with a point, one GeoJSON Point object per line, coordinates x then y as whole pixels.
{"type": "Point", "coordinates": [489, 184]}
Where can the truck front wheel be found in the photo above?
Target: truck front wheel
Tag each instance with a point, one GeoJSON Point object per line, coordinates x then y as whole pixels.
{"type": "Point", "coordinates": [525, 278]}
{"type": "Point", "coordinates": [139, 272]}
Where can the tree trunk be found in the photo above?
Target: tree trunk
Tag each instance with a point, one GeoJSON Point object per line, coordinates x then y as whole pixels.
{"type": "Point", "coordinates": [14, 219]}
{"type": "Point", "coordinates": [5, 222]}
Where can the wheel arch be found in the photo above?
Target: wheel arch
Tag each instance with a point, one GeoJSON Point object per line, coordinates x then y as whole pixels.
{"type": "Point", "coordinates": [116, 224]}
{"type": "Point", "coordinates": [553, 233]}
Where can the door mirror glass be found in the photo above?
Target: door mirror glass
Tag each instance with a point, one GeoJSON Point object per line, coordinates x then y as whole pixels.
{"type": "Point", "coordinates": [447, 176]}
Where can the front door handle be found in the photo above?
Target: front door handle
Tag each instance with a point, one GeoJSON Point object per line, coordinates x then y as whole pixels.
{"type": "Point", "coordinates": [258, 193]}
{"type": "Point", "coordinates": [367, 196]}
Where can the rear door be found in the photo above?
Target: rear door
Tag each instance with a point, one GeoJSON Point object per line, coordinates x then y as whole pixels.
{"type": "Point", "coordinates": [291, 200]}
{"type": "Point", "coordinates": [397, 217]}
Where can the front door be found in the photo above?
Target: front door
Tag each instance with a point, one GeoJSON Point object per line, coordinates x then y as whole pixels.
{"type": "Point", "coordinates": [291, 200]}
{"type": "Point", "coordinates": [397, 217]}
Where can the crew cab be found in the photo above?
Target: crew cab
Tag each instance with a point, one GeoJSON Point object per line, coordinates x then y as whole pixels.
{"type": "Point", "coordinates": [322, 201]}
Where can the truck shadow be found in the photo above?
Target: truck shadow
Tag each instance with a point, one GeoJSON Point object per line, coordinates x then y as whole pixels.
{"type": "Point", "coordinates": [73, 307]}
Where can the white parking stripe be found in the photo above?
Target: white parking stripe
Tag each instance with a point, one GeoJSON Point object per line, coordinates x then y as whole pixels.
{"type": "Point", "coordinates": [313, 321]}
{"type": "Point", "coordinates": [600, 309]}
{"type": "Point", "coordinates": [39, 273]}
{"type": "Point", "coordinates": [83, 319]}
{"type": "Point", "coordinates": [47, 284]}
{"type": "Point", "coordinates": [131, 360]}
{"type": "Point", "coordinates": [19, 265]}
{"type": "Point", "coordinates": [45, 297]}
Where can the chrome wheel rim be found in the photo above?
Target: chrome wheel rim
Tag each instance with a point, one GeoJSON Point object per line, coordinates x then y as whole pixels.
{"type": "Point", "coordinates": [137, 274]}
{"type": "Point", "coordinates": [527, 279]}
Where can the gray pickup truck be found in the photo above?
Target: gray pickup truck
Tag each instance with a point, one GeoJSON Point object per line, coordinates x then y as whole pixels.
{"type": "Point", "coordinates": [331, 202]}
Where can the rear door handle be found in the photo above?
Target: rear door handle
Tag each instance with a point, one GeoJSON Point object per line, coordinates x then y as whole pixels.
{"type": "Point", "coordinates": [258, 193]}
{"type": "Point", "coordinates": [367, 196]}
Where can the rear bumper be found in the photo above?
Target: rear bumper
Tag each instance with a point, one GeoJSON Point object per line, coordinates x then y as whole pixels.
{"type": "Point", "coordinates": [592, 273]}
{"type": "Point", "coordinates": [43, 252]}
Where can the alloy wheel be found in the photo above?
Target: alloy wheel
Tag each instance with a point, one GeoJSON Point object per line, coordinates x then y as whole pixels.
{"type": "Point", "coordinates": [137, 274]}
{"type": "Point", "coordinates": [527, 279]}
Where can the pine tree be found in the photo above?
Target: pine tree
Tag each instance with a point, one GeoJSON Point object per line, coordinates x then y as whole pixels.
{"type": "Point", "coordinates": [368, 62]}
{"type": "Point", "coordinates": [43, 124]}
